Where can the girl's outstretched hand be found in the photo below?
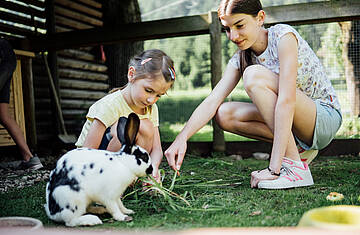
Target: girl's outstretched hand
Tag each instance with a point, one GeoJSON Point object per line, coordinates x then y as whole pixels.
{"type": "Point", "coordinates": [175, 153]}
{"type": "Point", "coordinates": [257, 176]}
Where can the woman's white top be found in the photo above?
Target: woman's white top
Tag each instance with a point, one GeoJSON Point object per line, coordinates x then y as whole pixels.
{"type": "Point", "coordinates": [311, 76]}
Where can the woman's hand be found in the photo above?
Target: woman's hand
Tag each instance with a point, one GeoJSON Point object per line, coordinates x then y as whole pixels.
{"type": "Point", "coordinates": [257, 176]}
{"type": "Point", "coordinates": [176, 152]}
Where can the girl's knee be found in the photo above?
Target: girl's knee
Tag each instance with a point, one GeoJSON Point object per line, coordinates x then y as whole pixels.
{"type": "Point", "coordinates": [146, 129]}
{"type": "Point", "coordinates": [223, 115]}
{"type": "Point", "coordinates": [256, 76]}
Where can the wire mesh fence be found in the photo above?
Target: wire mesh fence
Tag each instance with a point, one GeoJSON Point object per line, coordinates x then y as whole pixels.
{"type": "Point", "coordinates": [336, 44]}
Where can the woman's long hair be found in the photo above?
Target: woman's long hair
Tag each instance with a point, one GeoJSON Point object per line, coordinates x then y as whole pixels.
{"type": "Point", "coordinates": [250, 7]}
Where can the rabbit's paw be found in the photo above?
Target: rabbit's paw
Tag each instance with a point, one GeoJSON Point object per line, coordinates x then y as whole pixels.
{"type": "Point", "coordinates": [123, 218]}
{"type": "Point", "coordinates": [128, 211]}
{"type": "Point", "coordinates": [88, 220]}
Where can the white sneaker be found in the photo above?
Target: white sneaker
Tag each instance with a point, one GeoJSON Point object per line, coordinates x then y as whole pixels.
{"type": "Point", "coordinates": [307, 155]}
{"type": "Point", "coordinates": [292, 174]}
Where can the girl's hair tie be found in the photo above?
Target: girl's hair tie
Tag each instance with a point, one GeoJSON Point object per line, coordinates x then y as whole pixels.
{"type": "Point", "coordinates": [146, 60]}
{"type": "Point", "coordinates": [172, 73]}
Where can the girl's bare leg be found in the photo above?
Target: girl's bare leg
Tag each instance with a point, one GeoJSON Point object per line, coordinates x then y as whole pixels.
{"type": "Point", "coordinates": [14, 130]}
{"type": "Point", "coordinates": [144, 137]}
{"type": "Point", "coordinates": [256, 120]}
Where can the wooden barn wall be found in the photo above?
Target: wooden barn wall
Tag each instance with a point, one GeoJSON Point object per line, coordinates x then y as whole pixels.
{"type": "Point", "coordinates": [22, 18]}
{"type": "Point", "coordinates": [82, 77]}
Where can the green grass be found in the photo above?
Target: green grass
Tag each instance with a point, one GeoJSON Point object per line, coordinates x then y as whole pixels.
{"type": "Point", "coordinates": [219, 194]}
{"type": "Point", "coordinates": [176, 108]}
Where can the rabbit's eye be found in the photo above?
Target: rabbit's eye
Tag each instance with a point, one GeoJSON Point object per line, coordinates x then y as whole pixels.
{"type": "Point", "coordinates": [141, 155]}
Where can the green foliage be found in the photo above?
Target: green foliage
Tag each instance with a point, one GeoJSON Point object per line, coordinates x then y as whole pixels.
{"type": "Point", "coordinates": [218, 191]}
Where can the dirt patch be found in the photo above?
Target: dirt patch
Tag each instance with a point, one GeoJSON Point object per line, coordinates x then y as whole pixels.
{"type": "Point", "coordinates": [11, 179]}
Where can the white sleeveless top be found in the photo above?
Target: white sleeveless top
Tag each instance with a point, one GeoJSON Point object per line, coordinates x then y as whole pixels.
{"type": "Point", "coordinates": [311, 77]}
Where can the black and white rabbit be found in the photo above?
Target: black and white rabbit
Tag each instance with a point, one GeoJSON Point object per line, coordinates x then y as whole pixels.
{"type": "Point", "coordinates": [83, 176]}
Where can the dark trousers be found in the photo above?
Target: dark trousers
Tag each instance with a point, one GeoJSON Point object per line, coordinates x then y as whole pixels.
{"type": "Point", "coordinates": [7, 68]}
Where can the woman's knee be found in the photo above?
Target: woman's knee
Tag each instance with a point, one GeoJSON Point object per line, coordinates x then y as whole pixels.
{"type": "Point", "coordinates": [257, 76]}
{"type": "Point", "coordinates": [224, 115]}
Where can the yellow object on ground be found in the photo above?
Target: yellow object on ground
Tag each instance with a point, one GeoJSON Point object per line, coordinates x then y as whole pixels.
{"type": "Point", "coordinates": [341, 217]}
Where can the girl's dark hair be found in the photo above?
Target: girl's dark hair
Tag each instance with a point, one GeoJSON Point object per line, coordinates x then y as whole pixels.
{"type": "Point", "coordinates": [153, 61]}
{"type": "Point", "coordinates": [250, 7]}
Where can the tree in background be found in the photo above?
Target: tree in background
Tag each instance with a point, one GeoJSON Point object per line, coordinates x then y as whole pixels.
{"type": "Point", "coordinates": [351, 57]}
{"type": "Point", "coordinates": [118, 55]}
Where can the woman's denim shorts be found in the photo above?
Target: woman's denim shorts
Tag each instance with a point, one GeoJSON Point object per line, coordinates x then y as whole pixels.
{"type": "Point", "coordinates": [328, 122]}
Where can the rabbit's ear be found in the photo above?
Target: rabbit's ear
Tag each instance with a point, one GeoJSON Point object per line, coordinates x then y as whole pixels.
{"type": "Point", "coordinates": [121, 129]}
{"type": "Point", "coordinates": [131, 129]}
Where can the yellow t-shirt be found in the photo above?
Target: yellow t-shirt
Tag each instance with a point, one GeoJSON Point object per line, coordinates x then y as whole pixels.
{"type": "Point", "coordinates": [109, 109]}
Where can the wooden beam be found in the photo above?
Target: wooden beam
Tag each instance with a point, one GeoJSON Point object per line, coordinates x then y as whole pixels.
{"type": "Point", "coordinates": [304, 13]}
{"type": "Point", "coordinates": [22, 9]}
{"type": "Point", "coordinates": [78, 16]}
{"type": "Point", "coordinates": [247, 148]}
{"type": "Point", "coordinates": [77, 64]}
{"type": "Point", "coordinates": [313, 12]}
{"type": "Point", "coordinates": [182, 26]}
{"type": "Point", "coordinates": [79, 7]}
{"type": "Point", "coordinates": [216, 71]}
{"type": "Point", "coordinates": [14, 18]}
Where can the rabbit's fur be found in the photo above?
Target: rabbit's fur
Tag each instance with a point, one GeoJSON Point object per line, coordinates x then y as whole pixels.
{"type": "Point", "coordinates": [83, 176]}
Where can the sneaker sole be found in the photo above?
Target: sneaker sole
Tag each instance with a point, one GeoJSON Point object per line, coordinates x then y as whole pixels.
{"type": "Point", "coordinates": [264, 186]}
{"type": "Point", "coordinates": [36, 167]}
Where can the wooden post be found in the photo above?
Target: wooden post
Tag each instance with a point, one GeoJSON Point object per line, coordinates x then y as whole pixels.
{"type": "Point", "coordinates": [216, 73]}
{"type": "Point", "coordinates": [52, 62]}
{"type": "Point", "coordinates": [29, 102]}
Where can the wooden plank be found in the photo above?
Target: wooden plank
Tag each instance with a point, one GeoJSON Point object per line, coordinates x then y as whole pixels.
{"type": "Point", "coordinates": [79, 7]}
{"type": "Point", "coordinates": [91, 3]}
{"type": "Point", "coordinates": [16, 30]}
{"type": "Point", "coordinates": [195, 25]}
{"type": "Point", "coordinates": [77, 54]}
{"type": "Point", "coordinates": [74, 114]}
{"type": "Point", "coordinates": [71, 23]}
{"type": "Point", "coordinates": [18, 98]}
{"type": "Point", "coordinates": [313, 12]}
{"type": "Point", "coordinates": [182, 26]}
{"type": "Point", "coordinates": [16, 106]}
{"type": "Point", "coordinates": [78, 16]}
{"type": "Point", "coordinates": [83, 85]}
{"type": "Point", "coordinates": [22, 9]}
{"type": "Point", "coordinates": [73, 94]}
{"type": "Point", "coordinates": [76, 104]}
{"type": "Point", "coordinates": [37, 3]}
{"type": "Point", "coordinates": [8, 16]}
{"type": "Point", "coordinates": [247, 148]}
{"type": "Point", "coordinates": [76, 64]}
{"type": "Point", "coordinates": [29, 99]}
{"type": "Point", "coordinates": [71, 73]}
{"type": "Point", "coordinates": [60, 29]}
{"type": "Point", "coordinates": [216, 72]}
{"type": "Point", "coordinates": [24, 53]}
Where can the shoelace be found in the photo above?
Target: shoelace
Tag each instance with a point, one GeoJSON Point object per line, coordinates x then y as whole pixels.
{"type": "Point", "coordinates": [289, 174]}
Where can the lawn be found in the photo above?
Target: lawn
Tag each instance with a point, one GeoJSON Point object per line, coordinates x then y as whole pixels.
{"type": "Point", "coordinates": [217, 189]}
{"type": "Point", "coordinates": [176, 108]}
